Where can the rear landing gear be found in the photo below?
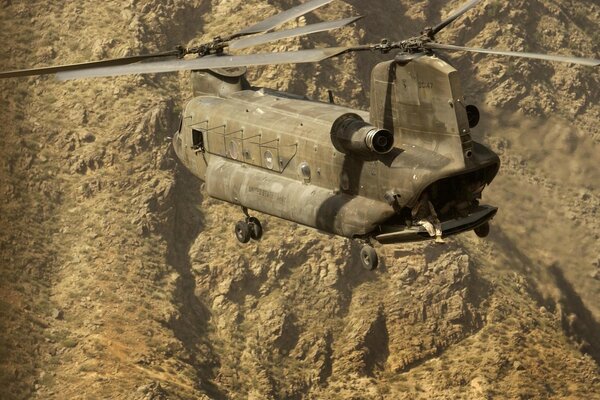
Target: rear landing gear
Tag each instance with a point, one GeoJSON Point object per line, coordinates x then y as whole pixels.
{"type": "Point", "coordinates": [482, 230]}
{"type": "Point", "coordinates": [250, 228]}
{"type": "Point", "coordinates": [256, 230]}
{"type": "Point", "coordinates": [368, 257]}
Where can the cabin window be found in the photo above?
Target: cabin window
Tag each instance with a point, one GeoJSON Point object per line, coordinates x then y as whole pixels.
{"type": "Point", "coordinates": [268, 159]}
{"type": "Point", "coordinates": [233, 150]}
{"type": "Point", "coordinates": [305, 171]}
{"type": "Point", "coordinates": [197, 140]}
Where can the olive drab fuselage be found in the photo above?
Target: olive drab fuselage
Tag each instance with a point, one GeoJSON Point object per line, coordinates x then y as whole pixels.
{"type": "Point", "coordinates": [280, 154]}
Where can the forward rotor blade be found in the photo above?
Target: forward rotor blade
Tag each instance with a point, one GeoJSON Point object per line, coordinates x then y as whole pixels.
{"type": "Point", "coordinates": [455, 15]}
{"type": "Point", "coordinates": [208, 62]}
{"type": "Point", "coordinates": [304, 30]}
{"type": "Point", "coordinates": [548, 57]}
{"type": "Point", "coordinates": [278, 19]}
{"type": "Point", "coordinates": [87, 65]}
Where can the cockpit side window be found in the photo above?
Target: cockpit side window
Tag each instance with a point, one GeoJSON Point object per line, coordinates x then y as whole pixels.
{"type": "Point", "coordinates": [180, 124]}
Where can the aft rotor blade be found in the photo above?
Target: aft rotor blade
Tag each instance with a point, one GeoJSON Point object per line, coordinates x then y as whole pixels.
{"type": "Point", "coordinates": [87, 65]}
{"type": "Point", "coordinates": [281, 18]}
{"type": "Point", "coordinates": [455, 15]}
{"type": "Point", "coordinates": [303, 30]}
{"type": "Point", "coordinates": [548, 57]}
{"type": "Point", "coordinates": [208, 62]}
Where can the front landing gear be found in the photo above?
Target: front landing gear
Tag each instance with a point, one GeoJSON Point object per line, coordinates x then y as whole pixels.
{"type": "Point", "coordinates": [248, 229]}
{"type": "Point", "coordinates": [242, 231]}
{"type": "Point", "coordinates": [368, 257]}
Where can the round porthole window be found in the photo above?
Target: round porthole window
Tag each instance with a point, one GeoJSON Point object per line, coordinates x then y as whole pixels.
{"type": "Point", "coordinates": [268, 159]}
{"type": "Point", "coordinates": [233, 150]}
{"type": "Point", "coordinates": [305, 171]}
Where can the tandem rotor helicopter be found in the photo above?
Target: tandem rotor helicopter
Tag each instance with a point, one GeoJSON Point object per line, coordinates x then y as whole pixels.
{"type": "Point", "coordinates": [405, 170]}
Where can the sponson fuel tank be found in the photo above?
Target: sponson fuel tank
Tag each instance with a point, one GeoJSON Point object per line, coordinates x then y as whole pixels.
{"type": "Point", "coordinates": [310, 205]}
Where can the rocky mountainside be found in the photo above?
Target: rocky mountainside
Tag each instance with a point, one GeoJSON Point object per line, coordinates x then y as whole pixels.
{"type": "Point", "coordinates": [120, 279]}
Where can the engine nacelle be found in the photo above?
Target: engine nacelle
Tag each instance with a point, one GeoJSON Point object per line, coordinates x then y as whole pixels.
{"type": "Point", "coordinates": [350, 134]}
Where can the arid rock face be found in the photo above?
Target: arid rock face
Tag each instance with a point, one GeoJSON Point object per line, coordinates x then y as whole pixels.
{"type": "Point", "coordinates": [121, 279]}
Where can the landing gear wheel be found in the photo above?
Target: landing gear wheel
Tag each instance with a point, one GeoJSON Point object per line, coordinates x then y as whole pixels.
{"type": "Point", "coordinates": [256, 230]}
{"type": "Point", "coordinates": [368, 257]}
{"type": "Point", "coordinates": [483, 230]}
{"type": "Point", "coordinates": [242, 231]}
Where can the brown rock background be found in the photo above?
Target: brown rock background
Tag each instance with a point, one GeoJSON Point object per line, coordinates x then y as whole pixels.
{"type": "Point", "coordinates": [119, 279]}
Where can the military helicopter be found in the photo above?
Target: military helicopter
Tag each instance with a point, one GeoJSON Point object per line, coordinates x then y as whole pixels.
{"type": "Point", "coordinates": [343, 171]}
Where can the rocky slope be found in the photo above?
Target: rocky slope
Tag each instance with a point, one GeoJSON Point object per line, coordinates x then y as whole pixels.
{"type": "Point", "coordinates": [119, 279]}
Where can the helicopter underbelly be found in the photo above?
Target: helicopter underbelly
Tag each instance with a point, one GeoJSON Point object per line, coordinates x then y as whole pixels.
{"type": "Point", "coordinates": [294, 200]}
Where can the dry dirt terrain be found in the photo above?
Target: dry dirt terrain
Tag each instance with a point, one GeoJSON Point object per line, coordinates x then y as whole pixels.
{"type": "Point", "coordinates": [120, 279]}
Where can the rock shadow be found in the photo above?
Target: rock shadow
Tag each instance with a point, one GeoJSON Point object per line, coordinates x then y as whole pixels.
{"type": "Point", "coordinates": [576, 319]}
{"type": "Point", "coordinates": [191, 323]}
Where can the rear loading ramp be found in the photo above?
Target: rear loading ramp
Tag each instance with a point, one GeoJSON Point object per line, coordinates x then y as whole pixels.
{"type": "Point", "coordinates": [402, 233]}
